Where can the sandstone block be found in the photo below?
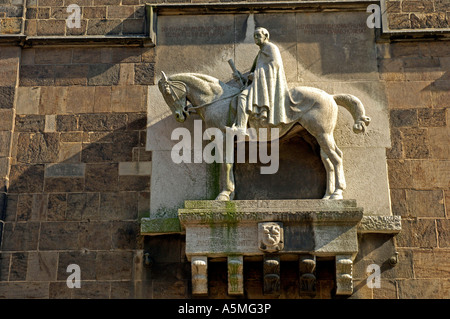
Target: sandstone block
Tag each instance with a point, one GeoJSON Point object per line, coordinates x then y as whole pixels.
{"type": "Point", "coordinates": [42, 266]}
{"type": "Point", "coordinates": [19, 263]}
{"type": "Point", "coordinates": [425, 203]}
{"type": "Point", "coordinates": [59, 236]}
{"type": "Point", "coordinates": [7, 97]}
{"type": "Point", "coordinates": [38, 148]}
{"type": "Point", "coordinates": [30, 123]}
{"type": "Point", "coordinates": [104, 74]}
{"type": "Point", "coordinates": [102, 177]}
{"type": "Point", "coordinates": [56, 207]}
{"type": "Point", "coordinates": [82, 206]}
{"type": "Point", "coordinates": [37, 75]}
{"type": "Point", "coordinates": [26, 179]}
{"type": "Point", "coordinates": [28, 100]}
{"type": "Point", "coordinates": [118, 206]}
{"type": "Point", "coordinates": [95, 235]}
{"type": "Point", "coordinates": [64, 184]}
{"type": "Point", "coordinates": [417, 233]}
{"type": "Point", "coordinates": [20, 236]}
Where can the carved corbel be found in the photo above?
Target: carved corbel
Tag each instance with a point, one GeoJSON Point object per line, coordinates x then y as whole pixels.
{"type": "Point", "coordinates": [344, 275]}
{"type": "Point", "coordinates": [307, 266]}
{"type": "Point", "coordinates": [199, 269]}
{"type": "Point", "coordinates": [271, 271]}
{"type": "Point", "coordinates": [235, 275]}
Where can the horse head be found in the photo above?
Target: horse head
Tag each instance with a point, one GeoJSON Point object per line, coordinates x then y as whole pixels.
{"type": "Point", "coordinates": [175, 95]}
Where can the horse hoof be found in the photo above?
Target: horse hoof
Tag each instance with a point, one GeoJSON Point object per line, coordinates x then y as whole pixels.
{"type": "Point", "coordinates": [223, 197]}
{"type": "Point", "coordinates": [336, 196]}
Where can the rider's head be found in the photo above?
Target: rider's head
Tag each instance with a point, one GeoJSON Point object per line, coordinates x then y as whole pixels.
{"type": "Point", "coordinates": [261, 35]}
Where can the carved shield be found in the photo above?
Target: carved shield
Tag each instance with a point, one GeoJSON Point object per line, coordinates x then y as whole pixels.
{"type": "Point", "coordinates": [270, 236]}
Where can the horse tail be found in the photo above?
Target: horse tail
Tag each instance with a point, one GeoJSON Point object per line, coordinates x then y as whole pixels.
{"type": "Point", "coordinates": [356, 108]}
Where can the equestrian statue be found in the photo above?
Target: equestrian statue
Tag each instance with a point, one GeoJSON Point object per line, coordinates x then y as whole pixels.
{"type": "Point", "coordinates": [264, 100]}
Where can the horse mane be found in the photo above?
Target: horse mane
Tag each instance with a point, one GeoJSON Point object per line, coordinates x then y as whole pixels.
{"type": "Point", "coordinates": [199, 79]}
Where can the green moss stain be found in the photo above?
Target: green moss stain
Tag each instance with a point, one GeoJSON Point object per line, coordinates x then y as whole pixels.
{"type": "Point", "coordinates": [213, 182]}
{"type": "Point", "coordinates": [234, 275]}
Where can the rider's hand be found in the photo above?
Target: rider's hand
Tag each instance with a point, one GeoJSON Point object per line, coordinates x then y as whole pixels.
{"type": "Point", "coordinates": [236, 76]}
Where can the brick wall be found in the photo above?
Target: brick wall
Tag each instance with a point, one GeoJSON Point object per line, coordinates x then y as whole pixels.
{"type": "Point", "coordinates": [417, 77]}
{"type": "Point", "coordinates": [418, 14]}
{"type": "Point", "coordinates": [80, 178]}
{"type": "Point", "coordinates": [98, 17]}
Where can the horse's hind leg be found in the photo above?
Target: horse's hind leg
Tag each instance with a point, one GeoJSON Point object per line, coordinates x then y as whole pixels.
{"type": "Point", "coordinates": [329, 168]}
{"type": "Point", "coordinates": [334, 154]}
{"type": "Point", "coordinates": [227, 182]}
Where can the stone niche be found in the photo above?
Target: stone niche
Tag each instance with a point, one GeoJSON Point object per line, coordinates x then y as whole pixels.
{"type": "Point", "coordinates": [278, 217]}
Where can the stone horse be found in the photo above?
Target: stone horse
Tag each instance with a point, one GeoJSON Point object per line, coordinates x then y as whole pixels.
{"type": "Point", "coordinates": [314, 109]}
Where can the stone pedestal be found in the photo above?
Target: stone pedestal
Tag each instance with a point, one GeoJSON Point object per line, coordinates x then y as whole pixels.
{"type": "Point", "coordinates": [274, 230]}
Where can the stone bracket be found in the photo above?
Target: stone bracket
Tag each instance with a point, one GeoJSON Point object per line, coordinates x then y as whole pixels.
{"type": "Point", "coordinates": [307, 267]}
{"type": "Point", "coordinates": [271, 271]}
{"type": "Point", "coordinates": [199, 269]}
{"type": "Point", "coordinates": [235, 275]}
{"type": "Point", "coordinates": [272, 230]}
{"type": "Point", "coordinates": [344, 275]}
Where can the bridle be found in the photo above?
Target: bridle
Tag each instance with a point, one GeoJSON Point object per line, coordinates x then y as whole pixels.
{"type": "Point", "coordinates": [187, 109]}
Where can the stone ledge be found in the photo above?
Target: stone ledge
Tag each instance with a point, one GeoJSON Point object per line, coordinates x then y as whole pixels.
{"type": "Point", "coordinates": [380, 224]}
{"type": "Point", "coordinates": [259, 7]}
{"type": "Point", "coordinates": [160, 226]}
{"type": "Point", "coordinates": [29, 41]}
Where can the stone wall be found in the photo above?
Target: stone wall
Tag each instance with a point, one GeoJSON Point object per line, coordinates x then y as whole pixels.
{"type": "Point", "coordinates": [79, 174]}
{"type": "Point", "coordinates": [417, 14]}
{"type": "Point", "coordinates": [74, 173]}
{"type": "Point", "coordinates": [418, 91]}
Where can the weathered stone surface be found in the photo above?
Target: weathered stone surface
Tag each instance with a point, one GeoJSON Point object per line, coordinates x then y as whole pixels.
{"type": "Point", "coordinates": [102, 122]}
{"type": "Point", "coordinates": [125, 234]}
{"type": "Point", "coordinates": [56, 207]}
{"type": "Point", "coordinates": [64, 184]}
{"type": "Point", "coordinates": [116, 265]}
{"type": "Point", "coordinates": [59, 235]}
{"type": "Point", "coordinates": [235, 228]}
{"type": "Point", "coordinates": [20, 236]}
{"type": "Point", "coordinates": [83, 206]}
{"type": "Point", "coordinates": [26, 178]}
{"type": "Point", "coordinates": [425, 203]}
{"type": "Point", "coordinates": [31, 207]}
{"type": "Point", "coordinates": [24, 290]}
{"type": "Point", "coordinates": [19, 265]}
{"type": "Point", "coordinates": [42, 266]}
{"type": "Point", "coordinates": [417, 233]}
{"type": "Point", "coordinates": [103, 74]}
{"type": "Point", "coordinates": [28, 100]}
{"type": "Point", "coordinates": [101, 177]}
{"type": "Point", "coordinates": [118, 206]}
{"type": "Point", "coordinates": [419, 289]}
{"type": "Point", "coordinates": [65, 170]}
{"type": "Point", "coordinates": [38, 148]}
{"type": "Point", "coordinates": [443, 234]}
{"type": "Point", "coordinates": [95, 235]}
{"type": "Point", "coordinates": [36, 75]}
{"type": "Point", "coordinates": [431, 263]}
{"type": "Point", "coordinates": [30, 123]}
{"type": "Point", "coordinates": [380, 224]}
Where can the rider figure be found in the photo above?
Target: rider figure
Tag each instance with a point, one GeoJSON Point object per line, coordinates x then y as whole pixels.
{"type": "Point", "coordinates": [266, 87]}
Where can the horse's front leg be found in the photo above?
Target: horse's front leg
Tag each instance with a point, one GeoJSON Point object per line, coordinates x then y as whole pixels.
{"type": "Point", "coordinates": [227, 182]}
